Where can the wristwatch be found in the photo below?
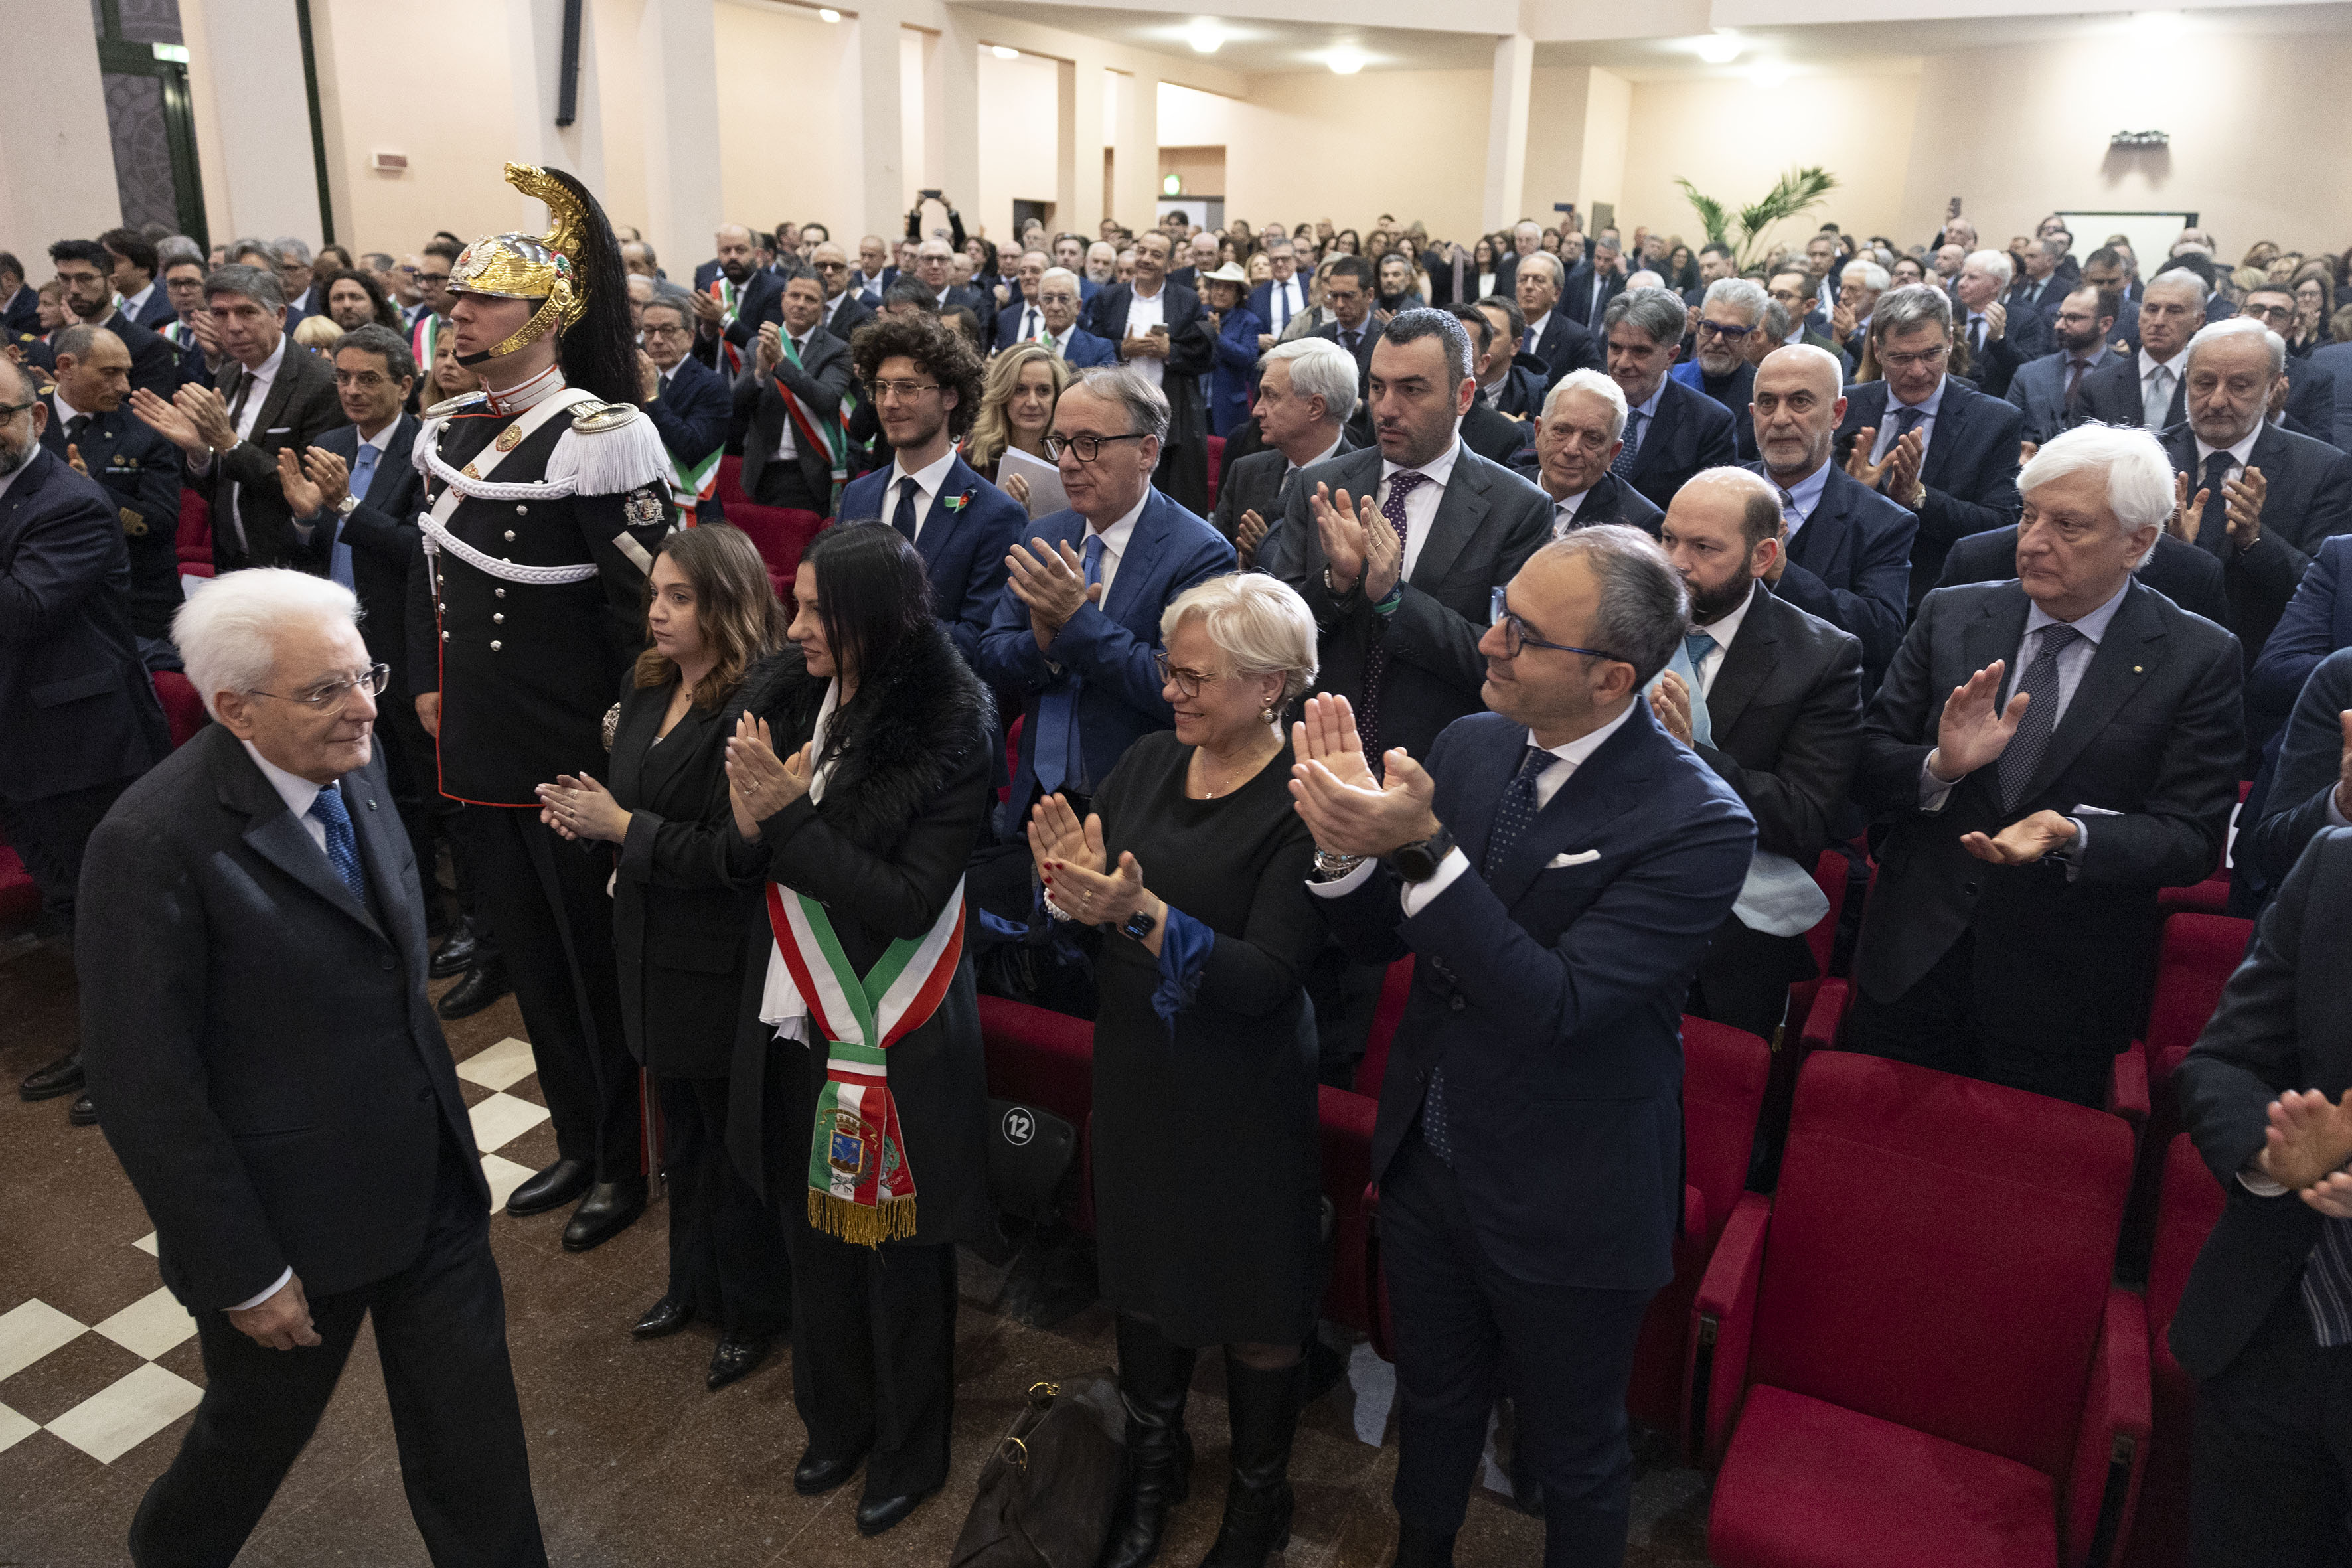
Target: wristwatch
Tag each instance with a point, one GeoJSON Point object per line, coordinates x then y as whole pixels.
{"type": "Point", "coordinates": [1418, 861]}
{"type": "Point", "coordinates": [1137, 925]}
{"type": "Point", "coordinates": [348, 505]}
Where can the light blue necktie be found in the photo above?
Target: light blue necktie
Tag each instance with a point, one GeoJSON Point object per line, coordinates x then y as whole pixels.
{"type": "Point", "coordinates": [1058, 758]}
{"type": "Point", "coordinates": [343, 846]}
{"type": "Point", "coordinates": [339, 564]}
{"type": "Point", "coordinates": [1697, 645]}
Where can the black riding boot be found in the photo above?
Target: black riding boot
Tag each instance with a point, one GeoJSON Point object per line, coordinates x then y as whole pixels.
{"type": "Point", "coordinates": [1153, 1378]}
{"type": "Point", "coordinates": [1264, 1407]}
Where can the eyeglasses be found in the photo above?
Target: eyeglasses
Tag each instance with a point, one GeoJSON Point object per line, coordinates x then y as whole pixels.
{"type": "Point", "coordinates": [334, 693]}
{"type": "Point", "coordinates": [1188, 681]}
{"type": "Point", "coordinates": [1086, 447]}
{"type": "Point", "coordinates": [652, 330]}
{"type": "Point", "coordinates": [2271, 312]}
{"type": "Point", "coordinates": [1719, 329]}
{"type": "Point", "coordinates": [902, 391]}
{"type": "Point", "coordinates": [1515, 635]}
{"type": "Point", "coordinates": [8, 411]}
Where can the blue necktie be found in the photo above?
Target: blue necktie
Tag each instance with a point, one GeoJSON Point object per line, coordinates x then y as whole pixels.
{"type": "Point", "coordinates": [343, 846]}
{"type": "Point", "coordinates": [1057, 757]}
{"type": "Point", "coordinates": [339, 562]}
{"type": "Point", "coordinates": [1632, 447]}
{"type": "Point", "coordinates": [904, 519]}
{"type": "Point", "coordinates": [1697, 645]}
{"type": "Point", "coordinates": [1282, 297]}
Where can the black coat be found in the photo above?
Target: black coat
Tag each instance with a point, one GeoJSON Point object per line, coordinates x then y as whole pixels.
{"type": "Point", "coordinates": [1851, 565]}
{"type": "Point", "coordinates": [2180, 571]}
{"type": "Point", "coordinates": [1690, 432]}
{"type": "Point", "coordinates": [882, 852]}
{"type": "Point", "coordinates": [1971, 472]}
{"type": "Point", "coordinates": [141, 471]}
{"type": "Point", "coordinates": [300, 406]}
{"type": "Point", "coordinates": [1494, 437]}
{"type": "Point", "coordinates": [820, 381]}
{"type": "Point", "coordinates": [382, 531]}
{"type": "Point", "coordinates": [1257, 483]}
{"type": "Point", "coordinates": [2308, 500]}
{"type": "Point", "coordinates": [1183, 471]}
{"type": "Point", "coordinates": [678, 919]}
{"type": "Point", "coordinates": [2110, 396]}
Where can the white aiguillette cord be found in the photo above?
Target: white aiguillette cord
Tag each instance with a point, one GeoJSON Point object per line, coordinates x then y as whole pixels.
{"type": "Point", "coordinates": [434, 524]}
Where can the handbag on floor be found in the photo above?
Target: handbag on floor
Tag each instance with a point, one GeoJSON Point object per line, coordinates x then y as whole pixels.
{"type": "Point", "coordinates": [1047, 1494]}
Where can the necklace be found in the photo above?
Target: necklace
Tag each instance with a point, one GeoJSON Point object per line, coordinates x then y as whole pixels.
{"type": "Point", "coordinates": [1235, 773]}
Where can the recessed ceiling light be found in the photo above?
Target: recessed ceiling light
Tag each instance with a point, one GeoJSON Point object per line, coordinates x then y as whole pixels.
{"type": "Point", "coordinates": [1205, 36]}
{"type": "Point", "coordinates": [1769, 73]}
{"type": "Point", "coordinates": [828, 13]}
{"type": "Point", "coordinates": [1344, 62]}
{"type": "Point", "coordinates": [1004, 53]}
{"type": "Point", "coordinates": [1717, 48]}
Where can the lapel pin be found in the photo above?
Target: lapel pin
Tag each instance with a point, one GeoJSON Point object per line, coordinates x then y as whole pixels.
{"type": "Point", "coordinates": [2136, 670]}
{"type": "Point", "coordinates": [371, 802]}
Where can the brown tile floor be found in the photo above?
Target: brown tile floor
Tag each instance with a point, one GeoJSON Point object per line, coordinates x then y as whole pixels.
{"type": "Point", "coordinates": [634, 1463]}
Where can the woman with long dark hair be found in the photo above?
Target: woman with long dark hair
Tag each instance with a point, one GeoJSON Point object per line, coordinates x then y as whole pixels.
{"type": "Point", "coordinates": [678, 925]}
{"type": "Point", "coordinates": [859, 780]}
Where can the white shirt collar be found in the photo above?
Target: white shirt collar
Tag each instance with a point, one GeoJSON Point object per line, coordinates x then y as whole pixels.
{"type": "Point", "coordinates": [927, 478]}
{"type": "Point", "coordinates": [295, 791]}
{"type": "Point", "coordinates": [382, 440]}
{"type": "Point", "coordinates": [1579, 752]}
{"type": "Point", "coordinates": [1324, 457]}
{"type": "Point", "coordinates": [138, 302]}
{"type": "Point", "coordinates": [65, 410]}
{"type": "Point", "coordinates": [1136, 290]}
{"type": "Point", "coordinates": [1438, 473]}
{"type": "Point", "coordinates": [2150, 365]}
{"type": "Point", "coordinates": [1723, 631]}
{"type": "Point", "coordinates": [268, 371]}
{"type": "Point", "coordinates": [2093, 626]}
{"type": "Point", "coordinates": [1648, 406]}
{"type": "Point", "coordinates": [1116, 536]}
{"type": "Point", "coordinates": [1537, 326]}
{"type": "Point", "coordinates": [2241, 454]}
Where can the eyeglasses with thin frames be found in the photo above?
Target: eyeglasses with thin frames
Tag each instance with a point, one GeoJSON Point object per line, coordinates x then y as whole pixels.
{"type": "Point", "coordinates": [1188, 681]}
{"type": "Point", "coordinates": [1515, 635]}
{"type": "Point", "coordinates": [335, 693]}
{"type": "Point", "coordinates": [902, 391]}
{"type": "Point", "coordinates": [1086, 447]}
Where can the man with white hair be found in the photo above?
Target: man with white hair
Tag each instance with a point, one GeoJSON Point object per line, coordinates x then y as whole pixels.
{"type": "Point", "coordinates": [1526, 239]}
{"type": "Point", "coordinates": [266, 950]}
{"type": "Point", "coordinates": [1305, 395]}
{"type": "Point", "coordinates": [1102, 266]}
{"type": "Point", "coordinates": [1730, 319]}
{"type": "Point", "coordinates": [1060, 296]}
{"type": "Point", "coordinates": [1578, 436]}
{"type": "Point", "coordinates": [1550, 334]}
{"type": "Point", "coordinates": [2148, 389]}
{"type": "Point", "coordinates": [1860, 284]}
{"type": "Point", "coordinates": [2049, 752]}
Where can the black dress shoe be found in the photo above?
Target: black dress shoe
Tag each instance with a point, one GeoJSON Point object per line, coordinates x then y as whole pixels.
{"type": "Point", "coordinates": [734, 1359]}
{"type": "Point", "coordinates": [875, 1515]}
{"type": "Point", "coordinates": [60, 1076]}
{"type": "Point", "coordinates": [813, 1475]}
{"type": "Point", "coordinates": [550, 1189]}
{"type": "Point", "coordinates": [663, 1317]}
{"type": "Point", "coordinates": [82, 1113]}
{"type": "Point", "coordinates": [604, 1213]}
{"type": "Point", "coordinates": [484, 984]}
{"type": "Point", "coordinates": [455, 955]}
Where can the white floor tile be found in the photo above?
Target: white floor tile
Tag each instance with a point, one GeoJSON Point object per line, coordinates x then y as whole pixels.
{"type": "Point", "coordinates": [504, 1176]}
{"type": "Point", "coordinates": [146, 1244]}
{"type": "Point", "coordinates": [501, 1066]}
{"type": "Point", "coordinates": [150, 1326]}
{"type": "Point", "coordinates": [503, 1118]}
{"type": "Point", "coordinates": [15, 1428]}
{"type": "Point", "coordinates": [127, 1412]}
{"type": "Point", "coordinates": [32, 1331]}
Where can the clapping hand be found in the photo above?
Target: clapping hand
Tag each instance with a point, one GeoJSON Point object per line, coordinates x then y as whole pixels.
{"type": "Point", "coordinates": [1360, 545]}
{"type": "Point", "coordinates": [1904, 461]}
{"type": "Point", "coordinates": [771, 347]}
{"type": "Point", "coordinates": [2022, 842]}
{"type": "Point", "coordinates": [330, 474]}
{"type": "Point", "coordinates": [73, 458]}
{"type": "Point", "coordinates": [1670, 700]}
{"type": "Point", "coordinates": [2308, 1140]}
{"type": "Point", "coordinates": [1053, 583]}
{"type": "Point", "coordinates": [302, 497]}
{"type": "Point", "coordinates": [759, 782]}
{"type": "Point", "coordinates": [168, 420]}
{"type": "Point", "coordinates": [1332, 785]}
{"type": "Point", "coordinates": [1056, 837]}
{"type": "Point", "coordinates": [1248, 535]}
{"type": "Point", "coordinates": [206, 410]}
{"type": "Point", "coordinates": [1996, 317]}
{"type": "Point", "coordinates": [582, 808]}
{"type": "Point", "coordinates": [1974, 730]}
{"type": "Point", "coordinates": [1017, 487]}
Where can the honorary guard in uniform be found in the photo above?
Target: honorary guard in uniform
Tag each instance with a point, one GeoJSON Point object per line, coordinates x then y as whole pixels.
{"type": "Point", "coordinates": [545, 493]}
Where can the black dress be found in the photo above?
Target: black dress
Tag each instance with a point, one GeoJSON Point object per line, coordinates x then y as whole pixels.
{"type": "Point", "coordinates": [1205, 1139]}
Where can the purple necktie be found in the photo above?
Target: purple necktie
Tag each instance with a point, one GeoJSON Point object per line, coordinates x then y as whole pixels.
{"type": "Point", "coordinates": [1376, 656]}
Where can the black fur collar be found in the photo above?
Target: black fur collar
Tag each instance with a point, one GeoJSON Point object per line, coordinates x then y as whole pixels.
{"type": "Point", "coordinates": [916, 721]}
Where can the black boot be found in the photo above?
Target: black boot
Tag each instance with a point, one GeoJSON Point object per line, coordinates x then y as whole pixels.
{"type": "Point", "coordinates": [1264, 1406]}
{"type": "Point", "coordinates": [1154, 1376]}
{"type": "Point", "coordinates": [1421, 1549]}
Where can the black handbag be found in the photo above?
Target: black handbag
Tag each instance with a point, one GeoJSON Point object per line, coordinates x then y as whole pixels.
{"type": "Point", "coordinates": [1048, 1493]}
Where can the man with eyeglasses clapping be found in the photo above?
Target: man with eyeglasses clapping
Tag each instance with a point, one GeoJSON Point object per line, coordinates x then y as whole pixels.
{"type": "Point", "coordinates": [1727, 321]}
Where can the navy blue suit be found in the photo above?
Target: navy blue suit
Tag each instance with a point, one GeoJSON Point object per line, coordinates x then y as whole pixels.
{"type": "Point", "coordinates": [1262, 305]}
{"type": "Point", "coordinates": [1691, 431]}
{"type": "Point", "coordinates": [1851, 565]}
{"type": "Point", "coordinates": [21, 311]}
{"type": "Point", "coordinates": [1551, 995]}
{"type": "Point", "coordinates": [1565, 345]}
{"type": "Point", "coordinates": [963, 550]}
{"type": "Point", "coordinates": [1970, 471]}
{"type": "Point", "coordinates": [1235, 370]}
{"type": "Point", "coordinates": [142, 472]}
{"type": "Point", "coordinates": [1736, 397]}
{"type": "Point", "coordinates": [157, 313]}
{"type": "Point", "coordinates": [2317, 622]}
{"type": "Point", "coordinates": [1008, 320]}
{"type": "Point", "coordinates": [1579, 298]}
{"type": "Point", "coordinates": [2336, 360]}
{"type": "Point", "coordinates": [1084, 350]}
{"type": "Point", "coordinates": [1109, 647]}
{"type": "Point", "coordinates": [692, 413]}
{"type": "Point", "coordinates": [2309, 500]}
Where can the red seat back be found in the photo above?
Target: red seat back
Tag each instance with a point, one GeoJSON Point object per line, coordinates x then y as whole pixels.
{"type": "Point", "coordinates": [1724, 1073]}
{"type": "Point", "coordinates": [1830, 875]}
{"type": "Point", "coordinates": [1039, 1058]}
{"type": "Point", "coordinates": [2194, 962]}
{"type": "Point", "coordinates": [780, 532]}
{"type": "Point", "coordinates": [20, 896]}
{"type": "Point", "coordinates": [183, 708]}
{"type": "Point", "coordinates": [2186, 1213]}
{"type": "Point", "coordinates": [1940, 1254]}
{"type": "Point", "coordinates": [1394, 989]}
{"type": "Point", "coordinates": [195, 533]}
{"type": "Point", "coordinates": [1216, 464]}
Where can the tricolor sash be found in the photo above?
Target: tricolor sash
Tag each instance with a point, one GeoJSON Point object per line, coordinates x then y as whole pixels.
{"type": "Point", "coordinates": [727, 294]}
{"type": "Point", "coordinates": [861, 1188]}
{"type": "Point", "coordinates": [695, 481]}
{"type": "Point", "coordinates": [424, 341]}
{"type": "Point", "coordinates": [827, 436]}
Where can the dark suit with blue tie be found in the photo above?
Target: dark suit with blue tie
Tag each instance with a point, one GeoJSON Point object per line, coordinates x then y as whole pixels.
{"type": "Point", "coordinates": [964, 548]}
{"type": "Point", "coordinates": [1012, 321]}
{"type": "Point", "coordinates": [1528, 1206]}
{"type": "Point", "coordinates": [1688, 431]}
{"type": "Point", "coordinates": [1851, 565]}
{"type": "Point", "coordinates": [1970, 472]}
{"type": "Point", "coordinates": [1263, 306]}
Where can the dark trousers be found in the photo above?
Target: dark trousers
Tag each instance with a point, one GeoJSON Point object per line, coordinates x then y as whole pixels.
{"type": "Point", "coordinates": [1991, 1026]}
{"type": "Point", "coordinates": [1347, 995]}
{"type": "Point", "coordinates": [413, 766]}
{"type": "Point", "coordinates": [783, 484]}
{"type": "Point", "coordinates": [1467, 1331]}
{"type": "Point", "coordinates": [873, 1351]}
{"type": "Point", "coordinates": [1744, 977]}
{"type": "Point", "coordinates": [726, 1259]}
{"type": "Point", "coordinates": [48, 834]}
{"type": "Point", "coordinates": [441, 1333]}
{"type": "Point", "coordinates": [546, 903]}
{"type": "Point", "coordinates": [2271, 1473]}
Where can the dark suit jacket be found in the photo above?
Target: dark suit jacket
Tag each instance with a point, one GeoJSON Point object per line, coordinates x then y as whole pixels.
{"type": "Point", "coordinates": [383, 534]}
{"type": "Point", "coordinates": [1565, 345]}
{"type": "Point", "coordinates": [1082, 350]}
{"type": "Point", "coordinates": [2180, 571]}
{"type": "Point", "coordinates": [21, 311]}
{"type": "Point", "coordinates": [2039, 388]}
{"type": "Point", "coordinates": [1851, 565]}
{"type": "Point", "coordinates": [2289, 803]}
{"type": "Point", "coordinates": [761, 298]}
{"type": "Point", "coordinates": [693, 415]}
{"type": "Point", "coordinates": [1262, 306]}
{"type": "Point", "coordinates": [963, 550]}
{"type": "Point", "coordinates": [819, 381]}
{"type": "Point", "coordinates": [1971, 472]}
{"type": "Point", "coordinates": [2281, 1024]}
{"type": "Point", "coordinates": [77, 708]}
{"type": "Point", "coordinates": [1691, 431]}
{"type": "Point", "coordinates": [1494, 437]}
{"type": "Point", "coordinates": [2311, 399]}
{"type": "Point", "coordinates": [157, 313]}
{"type": "Point", "coordinates": [1734, 396]}
{"type": "Point", "coordinates": [2336, 360]}
{"type": "Point", "coordinates": [1183, 473]}
{"type": "Point", "coordinates": [299, 408]}
{"type": "Point", "coordinates": [1108, 647]}
{"type": "Point", "coordinates": [2318, 621]}
{"type": "Point", "coordinates": [2308, 501]}
{"type": "Point", "coordinates": [1551, 995]}
{"type": "Point", "coordinates": [140, 471]}
{"type": "Point", "coordinates": [843, 316]}
{"type": "Point", "coordinates": [1488, 522]}
{"type": "Point", "coordinates": [1521, 393]}
{"type": "Point", "coordinates": [1785, 713]}
{"type": "Point", "coordinates": [1610, 500]}
{"type": "Point", "coordinates": [1576, 298]}
{"type": "Point", "coordinates": [1255, 483]}
{"type": "Point", "coordinates": [2110, 396]}
{"type": "Point", "coordinates": [1007, 321]}
{"type": "Point", "coordinates": [154, 363]}
{"type": "Point", "coordinates": [2154, 733]}
{"type": "Point", "coordinates": [276, 1084]}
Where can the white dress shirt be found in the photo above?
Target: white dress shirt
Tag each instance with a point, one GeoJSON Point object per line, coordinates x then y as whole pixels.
{"type": "Point", "coordinates": [2157, 381]}
{"type": "Point", "coordinates": [1033, 320]}
{"type": "Point", "coordinates": [1114, 538]}
{"type": "Point", "coordinates": [1722, 630]}
{"type": "Point", "coordinates": [246, 419]}
{"type": "Point", "coordinates": [928, 480]}
{"type": "Point", "coordinates": [2240, 455]}
{"type": "Point", "coordinates": [1535, 331]}
{"type": "Point", "coordinates": [1142, 315]}
{"type": "Point", "coordinates": [1290, 468]}
{"type": "Point", "coordinates": [1278, 290]}
{"type": "Point", "coordinates": [1420, 503]}
{"type": "Point", "coordinates": [1805, 495]}
{"type": "Point", "coordinates": [788, 445]}
{"type": "Point", "coordinates": [137, 302]}
{"type": "Point", "coordinates": [1927, 427]}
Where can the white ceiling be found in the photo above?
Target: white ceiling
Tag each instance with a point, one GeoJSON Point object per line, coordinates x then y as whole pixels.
{"type": "Point", "coordinates": [1255, 47]}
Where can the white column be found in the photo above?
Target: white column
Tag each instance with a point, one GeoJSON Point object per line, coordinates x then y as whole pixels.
{"type": "Point", "coordinates": [56, 166]}
{"type": "Point", "coordinates": [877, 145]}
{"type": "Point", "coordinates": [951, 121]}
{"type": "Point", "coordinates": [1078, 144]}
{"type": "Point", "coordinates": [1135, 142]}
{"type": "Point", "coordinates": [678, 64]}
{"type": "Point", "coordinates": [266, 183]}
{"type": "Point", "coordinates": [1506, 131]}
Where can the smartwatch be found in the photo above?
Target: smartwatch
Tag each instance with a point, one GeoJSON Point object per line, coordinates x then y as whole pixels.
{"type": "Point", "coordinates": [1137, 925]}
{"type": "Point", "coordinates": [1418, 861]}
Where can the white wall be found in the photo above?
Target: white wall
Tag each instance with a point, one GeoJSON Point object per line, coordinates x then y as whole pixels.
{"type": "Point", "coordinates": [784, 156]}
{"type": "Point", "coordinates": [1018, 143]}
{"type": "Point", "coordinates": [56, 164]}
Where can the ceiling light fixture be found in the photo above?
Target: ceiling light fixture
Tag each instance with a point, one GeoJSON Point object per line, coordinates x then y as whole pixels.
{"type": "Point", "coordinates": [1003, 52]}
{"type": "Point", "coordinates": [1717, 48]}
{"type": "Point", "coordinates": [828, 13]}
{"type": "Point", "coordinates": [1769, 73]}
{"type": "Point", "coordinates": [1205, 36]}
{"type": "Point", "coordinates": [1344, 62]}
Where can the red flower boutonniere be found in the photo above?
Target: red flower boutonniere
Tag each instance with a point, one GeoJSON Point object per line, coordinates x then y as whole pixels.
{"type": "Point", "coordinates": [956, 503]}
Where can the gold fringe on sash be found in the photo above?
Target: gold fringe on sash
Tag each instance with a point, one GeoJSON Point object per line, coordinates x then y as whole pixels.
{"type": "Point", "coordinates": [891, 1219]}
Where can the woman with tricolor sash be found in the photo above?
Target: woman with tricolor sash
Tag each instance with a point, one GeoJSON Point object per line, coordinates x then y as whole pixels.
{"type": "Point", "coordinates": [858, 780]}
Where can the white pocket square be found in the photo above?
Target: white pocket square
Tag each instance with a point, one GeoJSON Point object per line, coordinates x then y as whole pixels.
{"type": "Point", "coordinates": [1559, 861]}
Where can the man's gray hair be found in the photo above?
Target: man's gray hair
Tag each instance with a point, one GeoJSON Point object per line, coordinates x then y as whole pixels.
{"type": "Point", "coordinates": [1060, 275]}
{"type": "Point", "coordinates": [258, 284]}
{"type": "Point", "coordinates": [1913, 305]}
{"type": "Point", "coordinates": [1658, 314]}
{"type": "Point", "coordinates": [240, 249]}
{"type": "Point", "coordinates": [2178, 278]}
{"type": "Point", "coordinates": [1599, 386]}
{"type": "Point", "coordinates": [1643, 609]}
{"type": "Point", "coordinates": [2053, 247]}
{"type": "Point", "coordinates": [1412, 326]}
{"type": "Point", "coordinates": [1996, 262]}
{"type": "Point", "coordinates": [2138, 474]}
{"type": "Point", "coordinates": [1545, 258]}
{"type": "Point", "coordinates": [1742, 294]}
{"type": "Point", "coordinates": [1869, 274]}
{"type": "Point", "coordinates": [1778, 322]}
{"type": "Point", "coordinates": [227, 631]}
{"type": "Point", "coordinates": [1319, 368]}
{"type": "Point", "coordinates": [173, 248]}
{"type": "Point", "coordinates": [286, 244]}
{"type": "Point", "coordinates": [1146, 405]}
{"type": "Point", "coordinates": [2233, 327]}
{"type": "Point", "coordinates": [77, 339]}
{"type": "Point", "coordinates": [371, 337]}
{"type": "Point", "coordinates": [670, 297]}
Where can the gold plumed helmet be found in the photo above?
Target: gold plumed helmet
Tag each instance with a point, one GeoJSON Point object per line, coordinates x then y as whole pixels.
{"type": "Point", "coordinates": [527, 266]}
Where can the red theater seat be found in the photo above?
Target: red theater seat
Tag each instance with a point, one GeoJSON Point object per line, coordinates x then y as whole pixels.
{"type": "Point", "coordinates": [1047, 1059]}
{"type": "Point", "coordinates": [2194, 961]}
{"type": "Point", "coordinates": [780, 532]}
{"type": "Point", "coordinates": [183, 708]}
{"type": "Point", "coordinates": [20, 896]}
{"type": "Point", "coordinates": [194, 539]}
{"type": "Point", "coordinates": [1216, 464]}
{"type": "Point", "coordinates": [2186, 1213]}
{"type": "Point", "coordinates": [1913, 1353]}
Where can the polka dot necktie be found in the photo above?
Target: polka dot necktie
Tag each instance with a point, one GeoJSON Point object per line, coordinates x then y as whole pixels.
{"type": "Point", "coordinates": [1632, 447]}
{"type": "Point", "coordinates": [1376, 656]}
{"type": "Point", "coordinates": [2023, 754]}
{"type": "Point", "coordinates": [343, 846]}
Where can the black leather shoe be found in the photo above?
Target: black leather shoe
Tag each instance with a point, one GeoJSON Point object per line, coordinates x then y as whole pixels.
{"type": "Point", "coordinates": [484, 984]}
{"type": "Point", "coordinates": [814, 1476]}
{"type": "Point", "coordinates": [604, 1213]}
{"type": "Point", "coordinates": [82, 1113]}
{"type": "Point", "coordinates": [60, 1076]}
{"type": "Point", "coordinates": [734, 1359]}
{"type": "Point", "coordinates": [550, 1189]}
{"type": "Point", "coordinates": [455, 955]}
{"type": "Point", "coordinates": [663, 1318]}
{"type": "Point", "coordinates": [1423, 1549]}
{"type": "Point", "coordinates": [875, 1515]}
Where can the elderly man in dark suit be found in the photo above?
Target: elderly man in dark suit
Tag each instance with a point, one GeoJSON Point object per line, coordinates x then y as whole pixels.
{"type": "Point", "coordinates": [86, 272]}
{"type": "Point", "coordinates": [690, 404]}
{"type": "Point", "coordinates": [1672, 431]}
{"type": "Point", "coordinates": [1550, 333]}
{"type": "Point", "coordinates": [1529, 1131]}
{"type": "Point", "coordinates": [97, 438]}
{"type": "Point", "coordinates": [2148, 388]}
{"type": "Point", "coordinates": [78, 720]}
{"type": "Point", "coordinates": [1158, 328]}
{"type": "Point", "coordinates": [1933, 445]}
{"type": "Point", "coordinates": [788, 407]}
{"type": "Point", "coordinates": [1060, 296]}
{"type": "Point", "coordinates": [1578, 436]}
{"type": "Point", "coordinates": [1398, 549]}
{"type": "Point", "coordinates": [278, 1093]}
{"type": "Point", "coordinates": [1731, 317]}
{"type": "Point", "coordinates": [1777, 711]}
{"type": "Point", "coordinates": [2176, 569]}
{"type": "Point", "coordinates": [1307, 395]}
{"type": "Point", "coordinates": [2050, 753]}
